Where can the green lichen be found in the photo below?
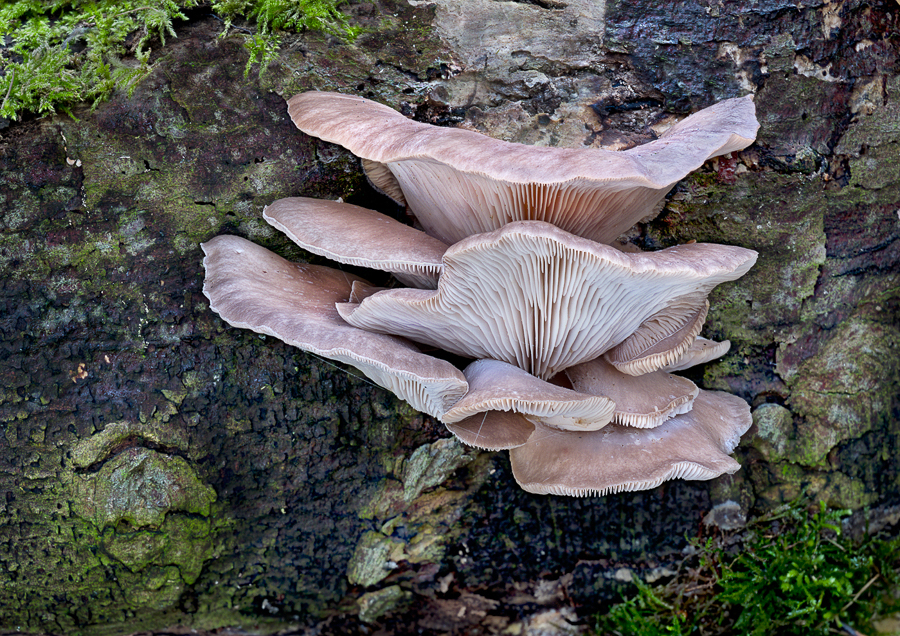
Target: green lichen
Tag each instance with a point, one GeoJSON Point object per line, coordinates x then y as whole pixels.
{"type": "Point", "coordinates": [98, 446]}
{"type": "Point", "coordinates": [431, 464]}
{"type": "Point", "coordinates": [878, 168]}
{"type": "Point", "coordinates": [781, 217]}
{"type": "Point", "coordinates": [774, 425]}
{"type": "Point", "coordinates": [373, 605]}
{"type": "Point", "coordinates": [418, 517]}
{"type": "Point", "coordinates": [844, 390]}
{"type": "Point", "coordinates": [140, 486]}
{"type": "Point", "coordinates": [373, 558]}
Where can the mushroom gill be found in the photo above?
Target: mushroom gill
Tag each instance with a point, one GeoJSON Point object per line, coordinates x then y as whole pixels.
{"type": "Point", "coordinates": [539, 298]}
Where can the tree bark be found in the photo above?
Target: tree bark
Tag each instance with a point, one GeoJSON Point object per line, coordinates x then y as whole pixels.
{"type": "Point", "coordinates": [160, 469]}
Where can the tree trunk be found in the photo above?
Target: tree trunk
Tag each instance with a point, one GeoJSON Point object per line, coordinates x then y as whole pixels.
{"type": "Point", "coordinates": [159, 468]}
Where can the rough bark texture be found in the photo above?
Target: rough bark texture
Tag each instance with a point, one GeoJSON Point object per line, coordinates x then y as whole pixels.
{"type": "Point", "coordinates": [158, 468]}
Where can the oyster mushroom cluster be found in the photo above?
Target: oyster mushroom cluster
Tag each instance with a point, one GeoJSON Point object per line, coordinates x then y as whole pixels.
{"type": "Point", "coordinates": [572, 340]}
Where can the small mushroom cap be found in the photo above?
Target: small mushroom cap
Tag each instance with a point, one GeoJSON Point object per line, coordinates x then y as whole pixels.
{"type": "Point", "coordinates": [700, 352]}
{"type": "Point", "coordinates": [356, 236]}
{"type": "Point", "coordinates": [539, 298]}
{"type": "Point", "coordinates": [493, 430]}
{"type": "Point", "coordinates": [498, 386]}
{"type": "Point", "coordinates": [253, 288]}
{"type": "Point", "coordinates": [695, 445]}
{"type": "Point", "coordinates": [663, 338]}
{"type": "Point", "coordinates": [644, 401]}
{"type": "Point", "coordinates": [459, 182]}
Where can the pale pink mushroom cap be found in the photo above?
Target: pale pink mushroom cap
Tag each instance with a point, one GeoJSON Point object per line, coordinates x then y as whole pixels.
{"type": "Point", "coordinates": [253, 288]}
{"type": "Point", "coordinates": [499, 386]}
{"type": "Point", "coordinates": [694, 445]}
{"type": "Point", "coordinates": [356, 236]}
{"type": "Point", "coordinates": [643, 401]}
{"type": "Point", "coordinates": [459, 182]}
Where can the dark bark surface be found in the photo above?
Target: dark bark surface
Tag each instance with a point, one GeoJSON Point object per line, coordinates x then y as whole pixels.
{"type": "Point", "coordinates": [161, 469]}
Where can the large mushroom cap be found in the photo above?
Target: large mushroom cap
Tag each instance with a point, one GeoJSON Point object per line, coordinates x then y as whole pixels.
{"type": "Point", "coordinates": [460, 183]}
{"type": "Point", "coordinates": [695, 445]}
{"type": "Point", "coordinates": [252, 288]}
{"type": "Point", "coordinates": [543, 300]}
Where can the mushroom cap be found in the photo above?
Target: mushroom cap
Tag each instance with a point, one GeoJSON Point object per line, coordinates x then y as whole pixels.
{"type": "Point", "coordinates": [459, 182]}
{"type": "Point", "coordinates": [493, 430]}
{"type": "Point", "coordinates": [663, 338]}
{"type": "Point", "coordinates": [253, 288]}
{"type": "Point", "coordinates": [694, 445]}
{"type": "Point", "coordinates": [542, 299]}
{"type": "Point", "coordinates": [700, 352]}
{"type": "Point", "coordinates": [643, 401]}
{"type": "Point", "coordinates": [356, 236]}
{"type": "Point", "coordinates": [498, 386]}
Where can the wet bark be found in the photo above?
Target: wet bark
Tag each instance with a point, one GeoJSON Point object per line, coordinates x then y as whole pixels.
{"type": "Point", "coordinates": [159, 468]}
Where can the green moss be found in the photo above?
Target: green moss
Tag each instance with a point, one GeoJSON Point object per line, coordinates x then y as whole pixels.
{"type": "Point", "coordinates": [45, 70]}
{"type": "Point", "coordinates": [795, 573]}
{"type": "Point", "coordinates": [51, 74]}
{"type": "Point", "coordinates": [283, 15]}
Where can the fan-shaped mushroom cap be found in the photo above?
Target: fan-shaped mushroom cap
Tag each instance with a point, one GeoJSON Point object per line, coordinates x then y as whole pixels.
{"type": "Point", "coordinates": [700, 351]}
{"type": "Point", "coordinates": [459, 182]}
{"type": "Point", "coordinates": [663, 338]}
{"type": "Point", "coordinates": [356, 236]}
{"type": "Point", "coordinates": [616, 458]}
{"type": "Point", "coordinates": [498, 386]}
{"type": "Point", "coordinates": [493, 430]}
{"type": "Point", "coordinates": [643, 401]}
{"type": "Point", "coordinates": [252, 288]}
{"type": "Point", "coordinates": [542, 299]}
